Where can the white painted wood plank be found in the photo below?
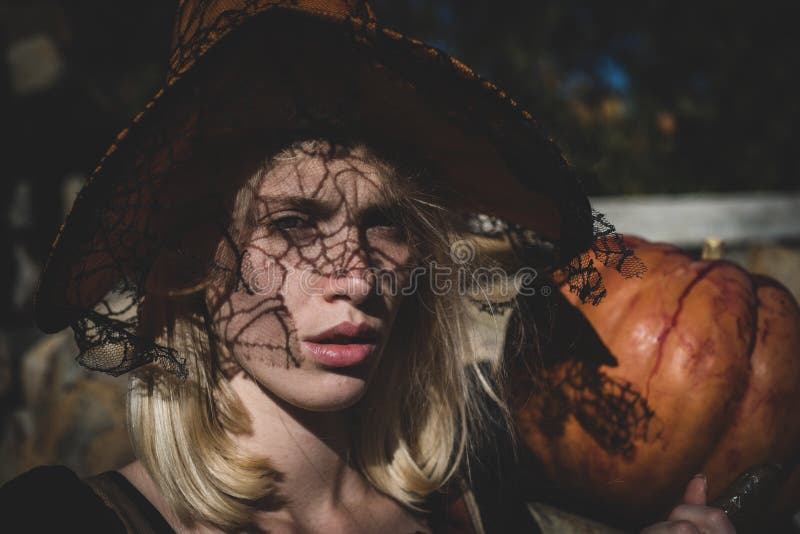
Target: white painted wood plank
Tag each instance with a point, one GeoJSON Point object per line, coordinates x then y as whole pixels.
{"type": "Point", "coordinates": [687, 220]}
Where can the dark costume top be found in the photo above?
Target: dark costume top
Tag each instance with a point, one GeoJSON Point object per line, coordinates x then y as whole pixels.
{"type": "Point", "coordinates": [109, 503]}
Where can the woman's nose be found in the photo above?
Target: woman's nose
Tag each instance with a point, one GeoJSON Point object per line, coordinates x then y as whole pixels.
{"type": "Point", "coordinates": [352, 276]}
{"type": "Point", "coordinates": [353, 284]}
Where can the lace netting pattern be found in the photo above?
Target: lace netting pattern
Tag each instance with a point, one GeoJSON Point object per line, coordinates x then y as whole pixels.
{"type": "Point", "coordinates": [609, 247]}
{"type": "Point", "coordinates": [146, 216]}
{"type": "Point", "coordinates": [112, 347]}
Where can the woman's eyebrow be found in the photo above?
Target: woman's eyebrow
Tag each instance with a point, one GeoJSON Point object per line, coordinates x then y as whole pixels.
{"type": "Point", "coordinates": [312, 206]}
{"type": "Point", "coordinates": [323, 208]}
{"type": "Point", "coordinates": [390, 209]}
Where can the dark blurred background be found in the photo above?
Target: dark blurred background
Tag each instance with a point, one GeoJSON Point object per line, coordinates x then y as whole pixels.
{"type": "Point", "coordinates": [645, 97]}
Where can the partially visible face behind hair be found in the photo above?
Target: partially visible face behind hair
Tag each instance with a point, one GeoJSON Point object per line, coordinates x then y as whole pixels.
{"type": "Point", "coordinates": [318, 244]}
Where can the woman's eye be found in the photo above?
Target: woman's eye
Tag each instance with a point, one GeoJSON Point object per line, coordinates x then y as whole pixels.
{"type": "Point", "coordinates": [289, 222]}
{"type": "Point", "coordinates": [384, 224]}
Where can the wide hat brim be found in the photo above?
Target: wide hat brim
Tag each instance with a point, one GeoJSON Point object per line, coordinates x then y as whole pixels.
{"type": "Point", "coordinates": [489, 154]}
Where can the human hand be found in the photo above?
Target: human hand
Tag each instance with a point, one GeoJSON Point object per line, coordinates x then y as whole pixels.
{"type": "Point", "coordinates": [693, 516]}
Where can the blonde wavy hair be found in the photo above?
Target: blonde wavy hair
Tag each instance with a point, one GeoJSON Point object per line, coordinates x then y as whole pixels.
{"type": "Point", "coordinates": [411, 438]}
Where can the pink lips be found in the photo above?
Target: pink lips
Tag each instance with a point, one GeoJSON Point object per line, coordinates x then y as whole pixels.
{"type": "Point", "coordinates": [344, 345]}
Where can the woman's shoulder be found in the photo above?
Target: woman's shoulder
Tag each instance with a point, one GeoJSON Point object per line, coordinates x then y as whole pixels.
{"type": "Point", "coordinates": [53, 497]}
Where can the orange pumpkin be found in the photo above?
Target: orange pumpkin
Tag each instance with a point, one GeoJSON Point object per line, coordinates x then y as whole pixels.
{"type": "Point", "coordinates": [693, 368]}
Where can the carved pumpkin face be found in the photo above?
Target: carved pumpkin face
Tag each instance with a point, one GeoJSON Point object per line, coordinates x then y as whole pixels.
{"type": "Point", "coordinates": [693, 368]}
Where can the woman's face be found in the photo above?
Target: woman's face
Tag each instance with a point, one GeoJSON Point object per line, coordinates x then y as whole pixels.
{"type": "Point", "coordinates": [313, 309]}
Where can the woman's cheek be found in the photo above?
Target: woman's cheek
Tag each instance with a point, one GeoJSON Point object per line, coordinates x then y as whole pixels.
{"type": "Point", "coordinates": [400, 287]}
{"type": "Point", "coordinates": [268, 265]}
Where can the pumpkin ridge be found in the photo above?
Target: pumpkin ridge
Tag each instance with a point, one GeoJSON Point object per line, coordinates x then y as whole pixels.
{"type": "Point", "coordinates": [674, 322]}
{"type": "Point", "coordinates": [756, 304]}
{"type": "Point", "coordinates": [762, 280]}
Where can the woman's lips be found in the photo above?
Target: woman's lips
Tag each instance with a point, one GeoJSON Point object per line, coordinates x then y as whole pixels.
{"type": "Point", "coordinates": [340, 355]}
{"type": "Point", "coordinates": [344, 345]}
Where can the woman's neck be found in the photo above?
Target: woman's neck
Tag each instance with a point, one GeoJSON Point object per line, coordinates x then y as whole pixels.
{"type": "Point", "coordinates": [313, 448]}
{"type": "Point", "coordinates": [322, 489]}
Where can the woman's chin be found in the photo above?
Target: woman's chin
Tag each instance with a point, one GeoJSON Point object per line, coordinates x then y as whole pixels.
{"type": "Point", "coordinates": [318, 390]}
{"type": "Point", "coordinates": [332, 399]}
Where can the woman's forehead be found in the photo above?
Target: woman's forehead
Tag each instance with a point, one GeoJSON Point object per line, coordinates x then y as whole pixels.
{"type": "Point", "coordinates": [351, 178]}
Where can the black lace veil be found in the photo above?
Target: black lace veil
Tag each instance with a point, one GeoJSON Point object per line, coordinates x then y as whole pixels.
{"type": "Point", "coordinates": [171, 176]}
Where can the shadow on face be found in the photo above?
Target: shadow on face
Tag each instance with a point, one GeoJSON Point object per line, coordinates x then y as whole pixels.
{"type": "Point", "coordinates": [318, 260]}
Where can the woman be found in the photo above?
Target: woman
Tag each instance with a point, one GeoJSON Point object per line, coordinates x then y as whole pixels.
{"type": "Point", "coordinates": [319, 371]}
{"type": "Point", "coordinates": [264, 248]}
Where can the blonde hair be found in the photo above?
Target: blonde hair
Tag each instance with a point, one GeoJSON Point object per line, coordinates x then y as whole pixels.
{"type": "Point", "coordinates": [411, 437]}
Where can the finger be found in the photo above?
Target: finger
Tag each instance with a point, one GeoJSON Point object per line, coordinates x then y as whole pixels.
{"type": "Point", "coordinates": [672, 527]}
{"type": "Point", "coordinates": [696, 490]}
{"type": "Point", "coordinates": [705, 518]}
